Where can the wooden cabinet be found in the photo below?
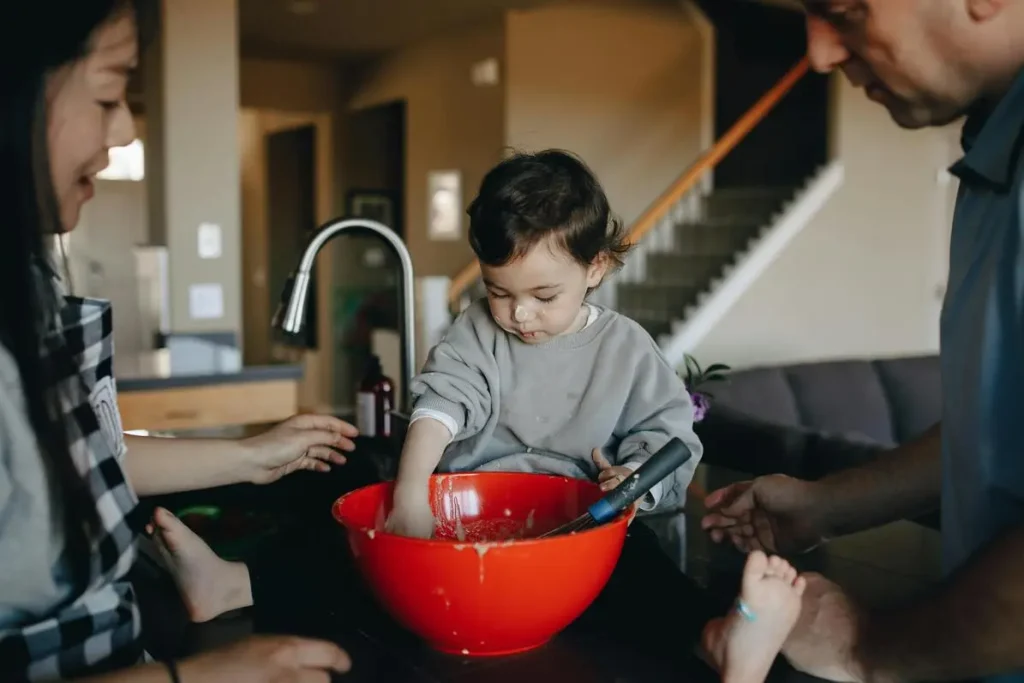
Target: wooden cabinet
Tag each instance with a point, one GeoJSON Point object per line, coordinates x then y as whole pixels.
{"type": "Point", "coordinates": [209, 405]}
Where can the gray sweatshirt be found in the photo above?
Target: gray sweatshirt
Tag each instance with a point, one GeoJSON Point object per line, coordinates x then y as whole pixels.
{"type": "Point", "coordinates": [545, 407]}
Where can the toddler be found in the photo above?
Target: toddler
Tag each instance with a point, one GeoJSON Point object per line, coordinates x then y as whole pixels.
{"type": "Point", "coordinates": [533, 378]}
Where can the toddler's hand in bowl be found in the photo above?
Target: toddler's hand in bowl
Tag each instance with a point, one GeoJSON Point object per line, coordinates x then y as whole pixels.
{"type": "Point", "coordinates": [411, 514]}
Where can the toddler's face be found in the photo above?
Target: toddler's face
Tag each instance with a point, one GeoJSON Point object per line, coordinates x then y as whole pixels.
{"type": "Point", "coordinates": [539, 296]}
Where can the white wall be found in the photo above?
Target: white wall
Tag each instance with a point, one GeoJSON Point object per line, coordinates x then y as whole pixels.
{"type": "Point", "coordinates": [864, 278]}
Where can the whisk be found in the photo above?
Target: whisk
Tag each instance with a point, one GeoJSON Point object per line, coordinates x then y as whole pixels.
{"type": "Point", "coordinates": [669, 457]}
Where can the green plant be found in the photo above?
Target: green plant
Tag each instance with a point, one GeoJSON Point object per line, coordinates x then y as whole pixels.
{"type": "Point", "coordinates": [696, 377]}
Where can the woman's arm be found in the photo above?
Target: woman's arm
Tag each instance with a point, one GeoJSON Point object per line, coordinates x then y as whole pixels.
{"type": "Point", "coordinates": [305, 442]}
{"type": "Point", "coordinates": [155, 465]}
{"type": "Point", "coordinates": [256, 659]}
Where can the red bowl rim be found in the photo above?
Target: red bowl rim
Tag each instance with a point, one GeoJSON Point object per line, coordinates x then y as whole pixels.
{"type": "Point", "coordinates": [620, 520]}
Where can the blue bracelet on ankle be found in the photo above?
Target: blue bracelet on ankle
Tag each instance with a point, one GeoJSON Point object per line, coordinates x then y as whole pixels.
{"type": "Point", "coordinates": [745, 611]}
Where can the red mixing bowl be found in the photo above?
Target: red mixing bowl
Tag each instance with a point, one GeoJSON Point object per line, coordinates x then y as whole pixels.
{"type": "Point", "coordinates": [483, 587]}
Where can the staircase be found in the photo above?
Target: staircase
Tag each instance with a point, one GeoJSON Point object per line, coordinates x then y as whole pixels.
{"type": "Point", "coordinates": [665, 279]}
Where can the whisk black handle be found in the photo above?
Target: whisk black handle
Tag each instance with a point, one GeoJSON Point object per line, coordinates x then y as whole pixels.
{"type": "Point", "coordinates": [669, 457]}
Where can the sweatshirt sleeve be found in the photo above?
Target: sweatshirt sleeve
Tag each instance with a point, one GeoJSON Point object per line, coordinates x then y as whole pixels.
{"type": "Point", "coordinates": [658, 408]}
{"type": "Point", "coordinates": [460, 374]}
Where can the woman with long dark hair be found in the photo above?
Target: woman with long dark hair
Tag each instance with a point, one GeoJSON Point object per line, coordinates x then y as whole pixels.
{"type": "Point", "coordinates": [69, 479]}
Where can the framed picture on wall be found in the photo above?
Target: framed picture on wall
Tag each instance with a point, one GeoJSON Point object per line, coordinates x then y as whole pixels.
{"type": "Point", "coordinates": [444, 194]}
{"type": "Point", "coordinates": [375, 205]}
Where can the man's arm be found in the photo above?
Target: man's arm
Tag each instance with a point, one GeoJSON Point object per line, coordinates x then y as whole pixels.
{"type": "Point", "coordinates": [899, 484]}
{"type": "Point", "coordinates": [970, 628]}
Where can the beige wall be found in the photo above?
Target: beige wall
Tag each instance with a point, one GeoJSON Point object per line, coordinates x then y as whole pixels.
{"type": "Point", "coordinates": [631, 108]}
{"type": "Point", "coordinates": [285, 85]}
{"type": "Point", "coordinates": [195, 113]}
{"type": "Point", "coordinates": [864, 278]}
{"type": "Point", "coordinates": [450, 124]}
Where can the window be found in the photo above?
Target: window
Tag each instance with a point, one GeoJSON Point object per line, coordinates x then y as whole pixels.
{"type": "Point", "coordinates": [126, 163]}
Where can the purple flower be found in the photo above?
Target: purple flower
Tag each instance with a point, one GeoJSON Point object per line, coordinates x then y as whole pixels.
{"type": "Point", "coordinates": [700, 405]}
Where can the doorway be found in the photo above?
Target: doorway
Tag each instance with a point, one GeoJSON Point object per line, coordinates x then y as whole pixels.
{"type": "Point", "coordinates": [375, 164]}
{"type": "Point", "coordinates": [291, 213]}
{"type": "Point", "coordinates": [287, 166]}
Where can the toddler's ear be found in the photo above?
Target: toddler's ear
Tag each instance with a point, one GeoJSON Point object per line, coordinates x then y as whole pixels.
{"type": "Point", "coordinates": [597, 270]}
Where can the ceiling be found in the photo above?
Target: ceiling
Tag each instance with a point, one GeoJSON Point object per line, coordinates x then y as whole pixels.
{"type": "Point", "coordinates": [353, 30]}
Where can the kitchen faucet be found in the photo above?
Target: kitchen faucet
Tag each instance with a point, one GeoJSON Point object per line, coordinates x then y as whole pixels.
{"type": "Point", "coordinates": [291, 313]}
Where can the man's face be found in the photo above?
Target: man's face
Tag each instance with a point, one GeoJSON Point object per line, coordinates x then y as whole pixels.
{"type": "Point", "coordinates": [903, 53]}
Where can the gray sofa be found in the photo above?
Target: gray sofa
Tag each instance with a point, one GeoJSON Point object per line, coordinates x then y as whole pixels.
{"type": "Point", "coordinates": [810, 419]}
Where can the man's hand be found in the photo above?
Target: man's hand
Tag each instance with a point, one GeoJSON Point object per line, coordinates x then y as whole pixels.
{"type": "Point", "coordinates": [823, 641]}
{"type": "Point", "coordinates": [776, 514]}
{"type": "Point", "coordinates": [304, 442]}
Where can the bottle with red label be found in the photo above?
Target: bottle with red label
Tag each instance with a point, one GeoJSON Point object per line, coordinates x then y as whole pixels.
{"type": "Point", "coordinates": [375, 400]}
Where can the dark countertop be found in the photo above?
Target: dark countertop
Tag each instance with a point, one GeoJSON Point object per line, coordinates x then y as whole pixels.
{"type": "Point", "coordinates": [323, 599]}
{"type": "Point", "coordinates": [251, 373]}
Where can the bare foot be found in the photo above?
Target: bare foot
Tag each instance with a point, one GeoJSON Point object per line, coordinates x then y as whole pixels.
{"type": "Point", "coordinates": [744, 649]}
{"type": "Point", "coordinates": [209, 585]}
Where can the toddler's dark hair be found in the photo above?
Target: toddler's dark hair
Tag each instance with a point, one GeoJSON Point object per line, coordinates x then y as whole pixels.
{"type": "Point", "coordinates": [528, 197]}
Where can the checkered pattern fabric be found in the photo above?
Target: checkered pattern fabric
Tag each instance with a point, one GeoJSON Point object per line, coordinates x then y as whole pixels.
{"type": "Point", "coordinates": [100, 628]}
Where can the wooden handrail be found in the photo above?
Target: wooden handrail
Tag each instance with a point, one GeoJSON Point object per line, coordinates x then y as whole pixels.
{"type": "Point", "coordinates": [686, 182]}
{"type": "Point", "coordinates": [707, 161]}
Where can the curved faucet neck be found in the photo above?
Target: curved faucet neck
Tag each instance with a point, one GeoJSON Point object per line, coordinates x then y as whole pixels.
{"type": "Point", "coordinates": [294, 312]}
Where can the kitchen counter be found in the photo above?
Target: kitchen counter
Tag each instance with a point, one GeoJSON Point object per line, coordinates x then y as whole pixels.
{"type": "Point", "coordinates": [247, 374]}
{"type": "Point", "coordinates": [324, 599]}
{"type": "Point", "coordinates": [161, 400]}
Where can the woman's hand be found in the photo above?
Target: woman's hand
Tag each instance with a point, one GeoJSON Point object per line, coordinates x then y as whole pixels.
{"type": "Point", "coordinates": [274, 659]}
{"type": "Point", "coordinates": [303, 442]}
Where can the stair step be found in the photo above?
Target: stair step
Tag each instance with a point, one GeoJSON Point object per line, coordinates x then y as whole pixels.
{"type": "Point", "coordinates": [677, 268]}
{"type": "Point", "coordinates": [734, 220]}
{"type": "Point", "coordinates": [694, 239]}
{"type": "Point", "coordinates": [655, 301]}
{"type": "Point", "coordinates": [762, 201]}
{"type": "Point", "coordinates": [752, 192]}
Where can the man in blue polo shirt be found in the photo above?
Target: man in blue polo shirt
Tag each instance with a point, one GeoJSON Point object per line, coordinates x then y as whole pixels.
{"type": "Point", "coordinates": [929, 62]}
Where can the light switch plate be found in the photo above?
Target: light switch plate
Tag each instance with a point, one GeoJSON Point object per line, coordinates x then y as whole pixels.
{"type": "Point", "coordinates": [206, 301]}
{"type": "Point", "coordinates": [210, 241]}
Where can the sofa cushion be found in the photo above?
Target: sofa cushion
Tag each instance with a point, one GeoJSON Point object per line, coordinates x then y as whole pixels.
{"type": "Point", "coordinates": [914, 388]}
{"type": "Point", "coordinates": [760, 392]}
{"type": "Point", "coordinates": [844, 397]}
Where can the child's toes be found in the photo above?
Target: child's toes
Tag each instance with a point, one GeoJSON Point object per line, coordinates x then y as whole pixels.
{"type": "Point", "coordinates": [756, 567]}
{"type": "Point", "coordinates": [800, 585]}
{"type": "Point", "coordinates": [778, 566]}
